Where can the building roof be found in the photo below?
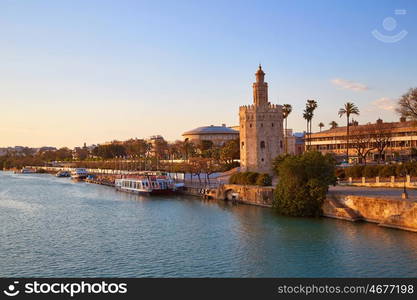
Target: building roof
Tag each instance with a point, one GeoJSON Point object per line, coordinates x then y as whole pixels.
{"type": "Point", "coordinates": [299, 134]}
{"type": "Point", "coordinates": [211, 130]}
{"type": "Point", "coordinates": [389, 126]}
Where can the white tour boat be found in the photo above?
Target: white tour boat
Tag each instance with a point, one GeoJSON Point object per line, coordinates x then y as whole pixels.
{"type": "Point", "coordinates": [148, 183]}
{"type": "Point", "coordinates": [27, 171]}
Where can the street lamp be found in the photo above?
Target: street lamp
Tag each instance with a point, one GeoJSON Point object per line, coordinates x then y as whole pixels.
{"type": "Point", "coordinates": [404, 195]}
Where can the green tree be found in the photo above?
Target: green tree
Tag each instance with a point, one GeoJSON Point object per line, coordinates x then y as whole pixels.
{"type": "Point", "coordinates": [63, 154]}
{"type": "Point", "coordinates": [347, 110]}
{"type": "Point", "coordinates": [333, 124]}
{"type": "Point", "coordinates": [264, 180]}
{"type": "Point", "coordinates": [230, 151]}
{"type": "Point", "coordinates": [311, 106]}
{"type": "Point", "coordinates": [321, 125]}
{"type": "Point", "coordinates": [307, 116]}
{"type": "Point", "coordinates": [407, 104]}
{"type": "Point", "coordinates": [303, 183]}
{"type": "Point", "coordinates": [286, 111]}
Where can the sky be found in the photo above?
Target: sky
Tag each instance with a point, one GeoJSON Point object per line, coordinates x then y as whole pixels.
{"type": "Point", "coordinates": [97, 70]}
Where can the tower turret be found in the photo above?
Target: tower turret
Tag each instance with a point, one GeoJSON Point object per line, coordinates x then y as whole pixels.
{"type": "Point", "coordinates": [260, 89]}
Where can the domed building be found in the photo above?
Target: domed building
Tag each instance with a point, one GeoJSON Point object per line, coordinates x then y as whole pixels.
{"type": "Point", "coordinates": [218, 135]}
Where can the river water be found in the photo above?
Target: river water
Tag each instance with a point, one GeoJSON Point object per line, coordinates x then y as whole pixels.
{"type": "Point", "coordinates": [53, 227]}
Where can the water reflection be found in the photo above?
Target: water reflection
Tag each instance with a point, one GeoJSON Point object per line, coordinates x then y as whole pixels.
{"type": "Point", "coordinates": [54, 227]}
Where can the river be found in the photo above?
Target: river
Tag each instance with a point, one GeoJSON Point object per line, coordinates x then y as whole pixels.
{"type": "Point", "coordinates": [54, 227]}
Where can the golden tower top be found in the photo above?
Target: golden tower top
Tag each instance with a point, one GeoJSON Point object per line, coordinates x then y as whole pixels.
{"type": "Point", "coordinates": [260, 89]}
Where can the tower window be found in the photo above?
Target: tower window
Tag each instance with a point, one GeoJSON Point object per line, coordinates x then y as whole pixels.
{"type": "Point", "coordinates": [262, 159]}
{"type": "Point", "coordinates": [280, 144]}
{"type": "Point", "coordinates": [272, 124]}
{"type": "Point", "coordinates": [250, 125]}
{"type": "Point", "coordinates": [262, 144]}
{"type": "Point", "coordinates": [243, 145]}
{"type": "Point", "coordinates": [262, 125]}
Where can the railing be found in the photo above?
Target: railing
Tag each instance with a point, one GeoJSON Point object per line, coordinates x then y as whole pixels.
{"type": "Point", "coordinates": [201, 185]}
{"type": "Point", "coordinates": [390, 181]}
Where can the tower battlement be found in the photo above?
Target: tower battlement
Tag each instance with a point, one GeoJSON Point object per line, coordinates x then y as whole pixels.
{"type": "Point", "coordinates": [269, 108]}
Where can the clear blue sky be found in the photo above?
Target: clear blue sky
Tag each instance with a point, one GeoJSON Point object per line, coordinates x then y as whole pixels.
{"type": "Point", "coordinates": [93, 71]}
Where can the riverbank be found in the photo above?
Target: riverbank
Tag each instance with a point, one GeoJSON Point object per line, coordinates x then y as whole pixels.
{"type": "Point", "coordinates": [383, 206]}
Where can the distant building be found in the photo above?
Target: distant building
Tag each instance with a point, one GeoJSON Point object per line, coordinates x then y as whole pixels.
{"type": "Point", "coordinates": [23, 151]}
{"type": "Point", "coordinates": [295, 142]}
{"type": "Point", "coordinates": [218, 135]}
{"type": "Point", "coordinates": [46, 148]}
{"type": "Point", "coordinates": [299, 143]}
{"type": "Point", "coordinates": [400, 138]}
{"type": "Point", "coordinates": [153, 139]}
{"type": "Point", "coordinates": [261, 132]}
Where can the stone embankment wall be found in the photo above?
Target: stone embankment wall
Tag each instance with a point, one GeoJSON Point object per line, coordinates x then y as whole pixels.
{"type": "Point", "coordinates": [248, 194]}
{"type": "Point", "coordinates": [387, 212]}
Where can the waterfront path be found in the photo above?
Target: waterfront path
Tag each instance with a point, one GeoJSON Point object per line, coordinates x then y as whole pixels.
{"type": "Point", "coordinates": [373, 192]}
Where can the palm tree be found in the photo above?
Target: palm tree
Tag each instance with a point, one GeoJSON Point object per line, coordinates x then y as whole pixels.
{"type": "Point", "coordinates": [286, 110]}
{"type": "Point", "coordinates": [348, 109]}
{"type": "Point", "coordinates": [311, 105]}
{"type": "Point", "coordinates": [307, 116]}
{"type": "Point", "coordinates": [333, 124]}
{"type": "Point", "coordinates": [321, 125]}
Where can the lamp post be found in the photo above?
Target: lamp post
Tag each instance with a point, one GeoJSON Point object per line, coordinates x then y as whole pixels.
{"type": "Point", "coordinates": [404, 195]}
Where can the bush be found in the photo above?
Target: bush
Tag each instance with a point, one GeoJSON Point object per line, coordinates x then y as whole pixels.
{"type": "Point", "coordinates": [355, 171]}
{"type": "Point", "coordinates": [400, 170]}
{"type": "Point", "coordinates": [412, 168]}
{"type": "Point", "coordinates": [303, 184]}
{"type": "Point", "coordinates": [387, 171]}
{"type": "Point", "coordinates": [370, 171]}
{"type": "Point", "coordinates": [276, 162]}
{"type": "Point", "coordinates": [340, 173]}
{"type": "Point", "coordinates": [264, 180]}
{"type": "Point", "coordinates": [234, 179]}
{"type": "Point", "coordinates": [250, 178]}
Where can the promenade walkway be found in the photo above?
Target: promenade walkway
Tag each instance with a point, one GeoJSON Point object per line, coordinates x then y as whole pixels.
{"type": "Point", "coordinates": [373, 192]}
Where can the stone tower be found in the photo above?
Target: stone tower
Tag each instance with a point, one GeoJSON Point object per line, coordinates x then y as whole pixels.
{"type": "Point", "coordinates": [261, 134]}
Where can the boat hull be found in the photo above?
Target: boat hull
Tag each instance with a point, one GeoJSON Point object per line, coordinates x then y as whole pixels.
{"type": "Point", "coordinates": [148, 192]}
{"type": "Point", "coordinates": [79, 178]}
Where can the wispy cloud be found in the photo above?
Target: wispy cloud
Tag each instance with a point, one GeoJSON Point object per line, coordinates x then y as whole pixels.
{"type": "Point", "coordinates": [349, 85]}
{"type": "Point", "coordinates": [384, 103]}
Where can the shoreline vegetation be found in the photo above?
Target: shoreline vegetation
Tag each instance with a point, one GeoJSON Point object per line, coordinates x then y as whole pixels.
{"type": "Point", "coordinates": [135, 155]}
{"type": "Point", "coordinates": [303, 183]}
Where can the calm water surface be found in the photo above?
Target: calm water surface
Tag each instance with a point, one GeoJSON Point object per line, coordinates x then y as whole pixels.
{"type": "Point", "coordinates": [54, 227]}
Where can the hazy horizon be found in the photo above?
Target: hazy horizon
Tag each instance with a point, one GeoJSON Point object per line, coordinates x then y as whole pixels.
{"type": "Point", "coordinates": [96, 71]}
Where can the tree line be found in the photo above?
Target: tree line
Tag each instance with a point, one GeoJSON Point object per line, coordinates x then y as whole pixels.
{"type": "Point", "coordinates": [133, 154]}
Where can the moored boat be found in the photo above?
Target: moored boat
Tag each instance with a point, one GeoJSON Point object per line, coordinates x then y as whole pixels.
{"type": "Point", "coordinates": [63, 174]}
{"type": "Point", "coordinates": [79, 174]}
{"type": "Point", "coordinates": [27, 171]}
{"type": "Point", "coordinates": [147, 183]}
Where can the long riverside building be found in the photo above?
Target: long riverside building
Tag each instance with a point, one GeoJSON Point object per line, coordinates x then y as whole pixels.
{"type": "Point", "coordinates": [400, 138]}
